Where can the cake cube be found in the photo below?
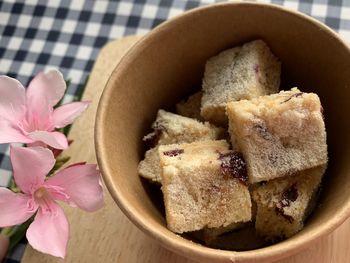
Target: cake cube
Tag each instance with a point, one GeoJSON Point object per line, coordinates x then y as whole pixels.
{"type": "Point", "coordinates": [279, 134]}
{"type": "Point", "coordinates": [172, 128]}
{"type": "Point", "coordinates": [284, 203]}
{"type": "Point", "coordinates": [191, 107]}
{"type": "Point", "coordinates": [239, 73]}
{"type": "Point", "coordinates": [204, 184]}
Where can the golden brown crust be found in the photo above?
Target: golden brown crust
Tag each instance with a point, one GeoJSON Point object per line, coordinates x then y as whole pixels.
{"type": "Point", "coordinates": [196, 193]}
{"type": "Point", "coordinates": [172, 128]}
{"type": "Point", "coordinates": [282, 204]}
{"type": "Point", "coordinates": [279, 134]}
{"type": "Point", "coordinates": [239, 73]}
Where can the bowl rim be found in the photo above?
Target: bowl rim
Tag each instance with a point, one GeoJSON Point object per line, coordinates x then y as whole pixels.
{"type": "Point", "coordinates": [169, 239]}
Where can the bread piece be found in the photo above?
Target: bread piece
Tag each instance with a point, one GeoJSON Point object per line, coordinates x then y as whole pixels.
{"type": "Point", "coordinates": [239, 73]}
{"type": "Point", "coordinates": [204, 185]}
{"type": "Point", "coordinates": [172, 128]}
{"type": "Point", "coordinates": [283, 203]}
{"type": "Point", "coordinates": [191, 107]}
{"type": "Point", "coordinates": [279, 134]}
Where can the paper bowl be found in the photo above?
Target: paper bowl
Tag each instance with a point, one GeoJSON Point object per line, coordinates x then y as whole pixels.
{"type": "Point", "coordinates": [167, 65]}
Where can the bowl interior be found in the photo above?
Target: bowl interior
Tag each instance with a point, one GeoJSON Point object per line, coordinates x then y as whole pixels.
{"type": "Point", "coordinates": [168, 65]}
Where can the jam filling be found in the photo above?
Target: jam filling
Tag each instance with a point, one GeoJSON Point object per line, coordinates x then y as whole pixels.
{"type": "Point", "coordinates": [151, 140]}
{"type": "Point", "coordinates": [293, 96]}
{"type": "Point", "coordinates": [289, 195]}
{"type": "Point", "coordinates": [173, 153]}
{"type": "Point", "coordinates": [233, 165]}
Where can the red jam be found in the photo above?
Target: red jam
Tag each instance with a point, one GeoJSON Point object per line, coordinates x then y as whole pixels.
{"type": "Point", "coordinates": [174, 152]}
{"type": "Point", "coordinates": [289, 195]}
{"type": "Point", "coordinates": [233, 165]}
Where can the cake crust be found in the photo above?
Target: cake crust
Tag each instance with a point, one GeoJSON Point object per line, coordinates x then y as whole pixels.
{"type": "Point", "coordinates": [284, 203]}
{"type": "Point", "coordinates": [279, 134]}
{"type": "Point", "coordinates": [197, 193]}
{"type": "Point", "coordinates": [172, 128]}
{"type": "Point", "coordinates": [239, 73]}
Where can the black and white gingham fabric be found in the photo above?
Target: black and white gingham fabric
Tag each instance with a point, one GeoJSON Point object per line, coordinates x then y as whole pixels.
{"type": "Point", "coordinates": [36, 35]}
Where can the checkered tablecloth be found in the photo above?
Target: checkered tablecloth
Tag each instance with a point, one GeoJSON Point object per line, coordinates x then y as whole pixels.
{"type": "Point", "coordinates": [67, 34]}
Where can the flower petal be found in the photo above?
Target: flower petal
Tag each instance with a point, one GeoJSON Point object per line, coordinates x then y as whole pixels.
{"type": "Point", "coordinates": [49, 232]}
{"type": "Point", "coordinates": [56, 140]}
{"type": "Point", "coordinates": [10, 133]}
{"type": "Point", "coordinates": [66, 114]}
{"type": "Point", "coordinates": [45, 91]}
{"type": "Point", "coordinates": [82, 184]}
{"type": "Point", "coordinates": [15, 208]}
{"type": "Point", "coordinates": [12, 99]}
{"type": "Point", "coordinates": [30, 166]}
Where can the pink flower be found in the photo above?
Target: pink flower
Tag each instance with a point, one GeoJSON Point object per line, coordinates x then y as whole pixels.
{"type": "Point", "coordinates": [27, 116]}
{"type": "Point", "coordinates": [77, 185]}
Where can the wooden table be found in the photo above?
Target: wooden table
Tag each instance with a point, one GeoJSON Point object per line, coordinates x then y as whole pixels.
{"type": "Point", "coordinates": [107, 235]}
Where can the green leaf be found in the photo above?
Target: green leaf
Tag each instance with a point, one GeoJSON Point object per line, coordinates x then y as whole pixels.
{"type": "Point", "coordinates": [60, 161]}
{"type": "Point", "coordinates": [66, 129]}
{"type": "Point", "coordinates": [7, 231]}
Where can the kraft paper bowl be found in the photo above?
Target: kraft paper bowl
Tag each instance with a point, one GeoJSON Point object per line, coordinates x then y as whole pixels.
{"type": "Point", "coordinates": [167, 65]}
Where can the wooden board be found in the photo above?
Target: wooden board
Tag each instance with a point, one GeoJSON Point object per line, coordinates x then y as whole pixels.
{"type": "Point", "coordinates": [107, 235]}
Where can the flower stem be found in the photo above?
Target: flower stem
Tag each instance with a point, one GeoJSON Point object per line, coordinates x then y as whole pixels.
{"type": "Point", "coordinates": [4, 244]}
